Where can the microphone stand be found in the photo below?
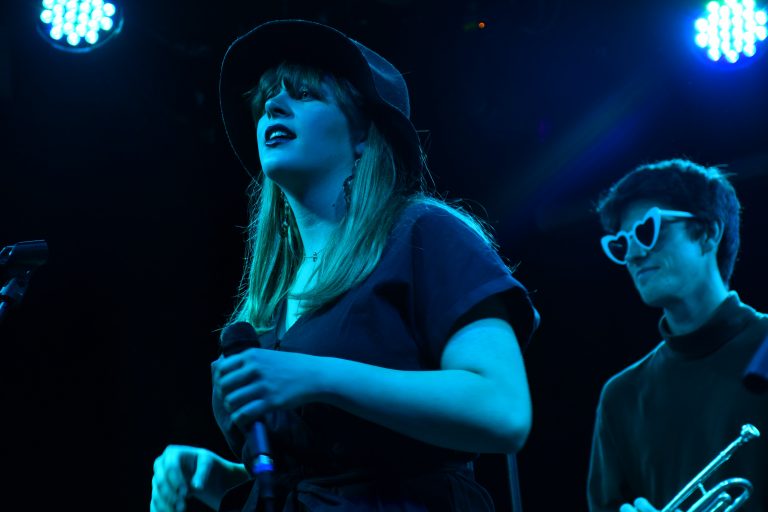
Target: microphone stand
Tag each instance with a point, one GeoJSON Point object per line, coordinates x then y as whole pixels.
{"type": "Point", "coordinates": [13, 291]}
{"type": "Point", "coordinates": [18, 262]}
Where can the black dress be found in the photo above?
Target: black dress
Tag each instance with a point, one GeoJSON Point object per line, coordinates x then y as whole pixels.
{"type": "Point", "coordinates": [433, 270]}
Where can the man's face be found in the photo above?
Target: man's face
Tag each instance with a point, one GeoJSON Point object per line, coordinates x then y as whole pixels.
{"type": "Point", "coordinates": [675, 268]}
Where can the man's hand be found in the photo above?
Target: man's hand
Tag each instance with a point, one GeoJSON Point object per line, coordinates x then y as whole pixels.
{"type": "Point", "coordinates": [640, 505]}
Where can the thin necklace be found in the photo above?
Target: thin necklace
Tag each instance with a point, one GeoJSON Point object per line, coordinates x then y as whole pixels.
{"type": "Point", "coordinates": [314, 256]}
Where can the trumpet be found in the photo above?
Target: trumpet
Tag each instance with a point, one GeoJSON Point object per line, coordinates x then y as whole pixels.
{"type": "Point", "coordinates": [726, 496]}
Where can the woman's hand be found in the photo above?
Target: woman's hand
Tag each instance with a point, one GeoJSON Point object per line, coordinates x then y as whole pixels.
{"type": "Point", "coordinates": [255, 381]}
{"type": "Point", "coordinates": [478, 401]}
{"type": "Point", "coordinates": [181, 472]}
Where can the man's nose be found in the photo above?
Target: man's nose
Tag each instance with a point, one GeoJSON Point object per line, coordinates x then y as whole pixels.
{"type": "Point", "coordinates": [635, 250]}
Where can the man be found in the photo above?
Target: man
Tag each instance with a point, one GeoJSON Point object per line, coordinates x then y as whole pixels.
{"type": "Point", "coordinates": [675, 226]}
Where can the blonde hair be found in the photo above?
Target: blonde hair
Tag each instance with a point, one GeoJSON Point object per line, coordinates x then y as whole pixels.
{"type": "Point", "coordinates": [377, 199]}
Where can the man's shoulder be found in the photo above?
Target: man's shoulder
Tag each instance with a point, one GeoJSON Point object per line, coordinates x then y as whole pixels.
{"type": "Point", "coordinates": [631, 377]}
{"type": "Point", "coordinates": [760, 316]}
{"type": "Point", "coordinates": [754, 312]}
{"type": "Point", "coordinates": [757, 321]}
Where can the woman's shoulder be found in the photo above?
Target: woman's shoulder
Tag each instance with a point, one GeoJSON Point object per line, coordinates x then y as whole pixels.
{"type": "Point", "coordinates": [428, 209]}
{"type": "Point", "coordinates": [436, 218]}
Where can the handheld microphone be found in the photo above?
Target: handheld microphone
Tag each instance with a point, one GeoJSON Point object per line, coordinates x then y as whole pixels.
{"type": "Point", "coordinates": [235, 338]}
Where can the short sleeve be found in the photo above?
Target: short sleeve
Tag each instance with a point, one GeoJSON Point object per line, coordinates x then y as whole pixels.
{"type": "Point", "coordinates": [454, 269]}
{"type": "Point", "coordinates": [756, 374]}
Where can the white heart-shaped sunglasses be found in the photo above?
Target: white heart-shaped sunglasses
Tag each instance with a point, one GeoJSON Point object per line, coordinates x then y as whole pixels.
{"type": "Point", "coordinates": [645, 232]}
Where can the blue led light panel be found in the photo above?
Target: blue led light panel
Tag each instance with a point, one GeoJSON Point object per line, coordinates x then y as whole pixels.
{"type": "Point", "coordinates": [731, 29]}
{"type": "Point", "coordinates": [78, 25]}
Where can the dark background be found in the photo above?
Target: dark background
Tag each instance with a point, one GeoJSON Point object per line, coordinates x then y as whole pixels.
{"type": "Point", "coordinates": [118, 159]}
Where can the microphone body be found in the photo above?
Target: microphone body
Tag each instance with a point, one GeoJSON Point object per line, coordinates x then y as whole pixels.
{"type": "Point", "coordinates": [235, 338]}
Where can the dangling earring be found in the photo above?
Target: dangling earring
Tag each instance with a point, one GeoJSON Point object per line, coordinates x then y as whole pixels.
{"type": "Point", "coordinates": [347, 186]}
{"type": "Point", "coordinates": [284, 225]}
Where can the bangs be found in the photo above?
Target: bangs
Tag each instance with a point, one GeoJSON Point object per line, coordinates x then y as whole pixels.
{"type": "Point", "coordinates": [297, 77]}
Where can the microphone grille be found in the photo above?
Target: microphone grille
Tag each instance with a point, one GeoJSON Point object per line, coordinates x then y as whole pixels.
{"type": "Point", "coordinates": [238, 336]}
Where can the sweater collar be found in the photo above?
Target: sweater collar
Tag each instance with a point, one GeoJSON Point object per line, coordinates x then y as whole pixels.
{"type": "Point", "coordinates": [725, 322]}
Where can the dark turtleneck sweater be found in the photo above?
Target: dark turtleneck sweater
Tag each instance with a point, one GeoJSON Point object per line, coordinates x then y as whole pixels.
{"type": "Point", "coordinates": [663, 419]}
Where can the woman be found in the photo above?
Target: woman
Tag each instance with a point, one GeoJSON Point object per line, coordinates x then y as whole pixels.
{"type": "Point", "coordinates": [392, 322]}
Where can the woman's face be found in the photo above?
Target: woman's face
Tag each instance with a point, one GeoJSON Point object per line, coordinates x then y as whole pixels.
{"type": "Point", "coordinates": [304, 135]}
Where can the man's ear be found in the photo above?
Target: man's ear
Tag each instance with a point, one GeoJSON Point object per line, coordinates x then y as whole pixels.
{"type": "Point", "coordinates": [713, 234]}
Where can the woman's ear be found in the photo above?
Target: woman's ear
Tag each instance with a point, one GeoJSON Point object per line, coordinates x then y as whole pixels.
{"type": "Point", "coordinates": [713, 234]}
{"type": "Point", "coordinates": [360, 147]}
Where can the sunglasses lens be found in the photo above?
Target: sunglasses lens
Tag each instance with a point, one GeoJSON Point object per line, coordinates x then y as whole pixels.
{"type": "Point", "coordinates": [645, 232]}
{"type": "Point", "coordinates": [618, 248]}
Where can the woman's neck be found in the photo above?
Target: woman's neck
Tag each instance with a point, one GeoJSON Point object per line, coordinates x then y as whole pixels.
{"type": "Point", "coordinates": [318, 212]}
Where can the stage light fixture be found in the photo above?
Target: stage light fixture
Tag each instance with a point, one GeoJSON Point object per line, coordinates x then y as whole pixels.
{"type": "Point", "coordinates": [731, 29]}
{"type": "Point", "coordinates": [79, 25]}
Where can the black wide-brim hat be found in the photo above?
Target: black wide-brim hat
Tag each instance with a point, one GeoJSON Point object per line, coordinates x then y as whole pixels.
{"type": "Point", "coordinates": [305, 42]}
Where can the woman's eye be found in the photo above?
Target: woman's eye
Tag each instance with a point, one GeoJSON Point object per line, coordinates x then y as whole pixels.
{"type": "Point", "coordinates": [305, 94]}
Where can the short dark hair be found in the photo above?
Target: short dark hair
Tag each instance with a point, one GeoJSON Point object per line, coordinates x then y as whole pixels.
{"type": "Point", "coordinates": [682, 185]}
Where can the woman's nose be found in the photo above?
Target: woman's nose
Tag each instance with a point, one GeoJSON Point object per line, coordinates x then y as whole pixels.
{"type": "Point", "coordinates": [277, 105]}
